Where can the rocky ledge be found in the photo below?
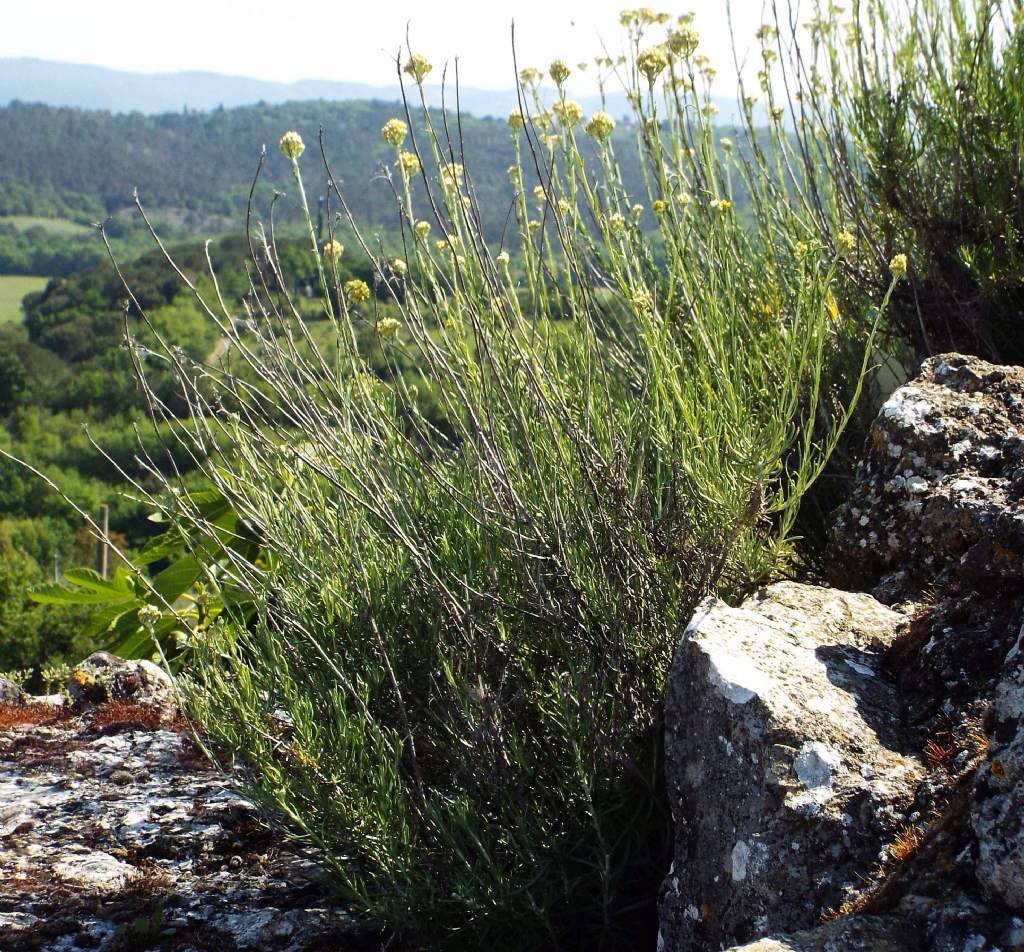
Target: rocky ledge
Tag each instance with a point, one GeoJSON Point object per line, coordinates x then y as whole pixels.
{"type": "Point", "coordinates": [117, 834]}
{"type": "Point", "coordinates": [846, 770]}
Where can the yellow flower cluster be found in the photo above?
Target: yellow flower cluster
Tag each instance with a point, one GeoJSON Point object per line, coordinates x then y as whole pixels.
{"type": "Point", "coordinates": [721, 205]}
{"type": "Point", "coordinates": [387, 327]}
{"type": "Point", "coordinates": [726, 143]}
{"type": "Point", "coordinates": [569, 113]}
{"type": "Point", "coordinates": [600, 125]}
{"type": "Point", "coordinates": [636, 211]}
{"type": "Point", "coordinates": [422, 229]}
{"type": "Point", "coordinates": [291, 145]}
{"type": "Point", "coordinates": [408, 162]}
{"type": "Point", "coordinates": [617, 223]}
{"type": "Point", "coordinates": [357, 291]}
{"type": "Point", "coordinates": [651, 62]}
{"type": "Point", "coordinates": [451, 175]}
{"type": "Point", "coordinates": [539, 193]}
{"type": "Point", "coordinates": [418, 67]}
{"type": "Point", "coordinates": [845, 242]}
{"type": "Point", "coordinates": [503, 258]}
{"type": "Point", "coordinates": [684, 41]}
{"type": "Point", "coordinates": [399, 268]}
{"type": "Point", "coordinates": [559, 72]}
{"type": "Point", "coordinates": [516, 121]}
{"type": "Point", "coordinates": [898, 266]}
{"type": "Point", "coordinates": [645, 16]}
{"type": "Point", "coordinates": [333, 250]}
{"type": "Point", "coordinates": [659, 206]}
{"type": "Point", "coordinates": [530, 76]}
{"type": "Point", "coordinates": [394, 132]}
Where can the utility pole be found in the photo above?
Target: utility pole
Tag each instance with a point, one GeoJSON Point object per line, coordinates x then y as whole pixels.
{"type": "Point", "coordinates": [102, 553]}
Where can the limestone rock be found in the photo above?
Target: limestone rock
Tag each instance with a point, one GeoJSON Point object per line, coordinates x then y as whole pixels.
{"type": "Point", "coordinates": [997, 814]}
{"type": "Point", "coordinates": [83, 855]}
{"type": "Point", "coordinates": [102, 677]}
{"type": "Point", "coordinates": [937, 497]}
{"type": "Point", "coordinates": [10, 692]}
{"type": "Point", "coordinates": [784, 759]}
{"type": "Point", "coordinates": [854, 934]}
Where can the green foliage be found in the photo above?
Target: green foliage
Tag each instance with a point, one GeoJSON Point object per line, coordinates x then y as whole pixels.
{"type": "Point", "coordinates": [909, 132]}
{"type": "Point", "coordinates": [33, 635]}
{"type": "Point", "coordinates": [449, 682]}
{"type": "Point", "coordinates": [135, 614]}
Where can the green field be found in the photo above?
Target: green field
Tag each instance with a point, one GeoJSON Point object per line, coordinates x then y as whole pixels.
{"type": "Point", "coordinates": [59, 226]}
{"type": "Point", "coordinates": [13, 287]}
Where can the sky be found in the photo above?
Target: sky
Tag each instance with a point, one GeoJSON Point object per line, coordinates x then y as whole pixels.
{"type": "Point", "coordinates": [287, 40]}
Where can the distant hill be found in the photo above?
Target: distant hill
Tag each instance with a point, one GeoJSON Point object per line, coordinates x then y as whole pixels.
{"type": "Point", "coordinates": [96, 87]}
{"type": "Point", "coordinates": [193, 170]}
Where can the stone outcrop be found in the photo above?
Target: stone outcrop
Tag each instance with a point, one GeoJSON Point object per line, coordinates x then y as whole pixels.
{"type": "Point", "coordinates": [116, 835]}
{"type": "Point", "coordinates": [102, 678]}
{"type": "Point", "coordinates": [786, 767]}
{"type": "Point", "coordinates": [882, 734]}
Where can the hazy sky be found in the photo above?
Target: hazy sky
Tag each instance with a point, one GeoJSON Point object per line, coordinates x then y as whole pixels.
{"type": "Point", "coordinates": [340, 40]}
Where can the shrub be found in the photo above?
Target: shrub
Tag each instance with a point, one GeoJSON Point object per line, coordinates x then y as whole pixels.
{"type": "Point", "coordinates": [449, 686]}
{"type": "Point", "coordinates": [904, 126]}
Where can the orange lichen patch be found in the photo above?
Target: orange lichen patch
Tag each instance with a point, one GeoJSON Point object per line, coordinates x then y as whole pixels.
{"type": "Point", "coordinates": [13, 715]}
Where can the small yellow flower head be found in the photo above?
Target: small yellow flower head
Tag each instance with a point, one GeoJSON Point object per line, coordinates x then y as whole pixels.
{"type": "Point", "coordinates": [709, 110]}
{"type": "Point", "coordinates": [766, 32]}
{"type": "Point", "coordinates": [686, 19]}
{"type": "Point", "coordinates": [539, 193]}
{"type": "Point", "coordinates": [357, 291]}
{"type": "Point", "coordinates": [451, 175]}
{"type": "Point", "coordinates": [628, 17]}
{"type": "Point", "coordinates": [641, 301]}
{"type": "Point", "coordinates": [516, 121]}
{"type": "Point", "coordinates": [408, 162]}
{"type": "Point", "coordinates": [417, 67]}
{"type": "Point", "coordinates": [387, 327]}
{"type": "Point", "coordinates": [636, 211]}
{"type": "Point", "coordinates": [333, 250]}
{"type": "Point", "coordinates": [616, 223]}
{"type": "Point", "coordinates": [684, 41]}
{"type": "Point", "coordinates": [551, 140]}
{"type": "Point", "coordinates": [721, 205]}
{"type": "Point", "coordinates": [149, 615]}
{"type": "Point", "coordinates": [291, 145]}
{"type": "Point", "coordinates": [845, 242]}
{"type": "Point", "coordinates": [559, 72]}
{"type": "Point", "coordinates": [394, 132]}
{"type": "Point", "coordinates": [503, 259]}
{"type": "Point", "coordinates": [530, 76]}
{"type": "Point", "coordinates": [399, 268]}
{"type": "Point", "coordinates": [515, 175]}
{"type": "Point", "coordinates": [582, 67]}
{"type": "Point", "coordinates": [533, 224]}
{"type": "Point", "coordinates": [749, 102]}
{"type": "Point", "coordinates": [442, 245]}
{"type": "Point", "coordinates": [801, 249]}
{"type": "Point", "coordinates": [777, 113]}
{"type": "Point", "coordinates": [726, 144]}
{"type": "Point", "coordinates": [684, 198]}
{"type": "Point", "coordinates": [422, 229]}
{"type": "Point", "coordinates": [600, 126]}
{"type": "Point", "coordinates": [659, 206]}
{"type": "Point", "coordinates": [569, 113]}
{"type": "Point", "coordinates": [564, 206]}
{"type": "Point", "coordinates": [651, 62]}
{"type": "Point", "coordinates": [898, 266]}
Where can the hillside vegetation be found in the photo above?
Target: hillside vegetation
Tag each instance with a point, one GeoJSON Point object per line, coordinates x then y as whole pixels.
{"type": "Point", "coordinates": [433, 508]}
